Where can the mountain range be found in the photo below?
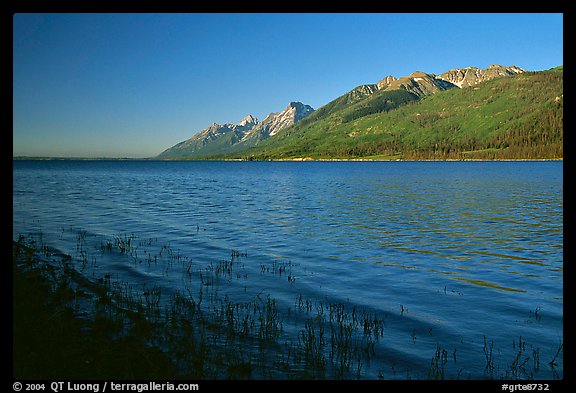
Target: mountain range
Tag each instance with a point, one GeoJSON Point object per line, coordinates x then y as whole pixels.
{"type": "Point", "coordinates": [332, 130]}
{"type": "Point", "coordinates": [229, 138]}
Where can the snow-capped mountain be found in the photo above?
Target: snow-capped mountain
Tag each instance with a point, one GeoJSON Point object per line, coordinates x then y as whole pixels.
{"type": "Point", "coordinates": [276, 121]}
{"type": "Point", "coordinates": [218, 139]}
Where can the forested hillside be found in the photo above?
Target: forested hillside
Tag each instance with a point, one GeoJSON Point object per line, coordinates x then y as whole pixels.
{"type": "Point", "coordinates": [516, 117]}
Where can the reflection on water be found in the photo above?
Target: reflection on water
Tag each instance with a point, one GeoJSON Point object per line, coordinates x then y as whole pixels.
{"type": "Point", "coordinates": [433, 246]}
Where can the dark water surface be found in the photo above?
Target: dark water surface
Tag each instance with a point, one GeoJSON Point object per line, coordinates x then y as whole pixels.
{"type": "Point", "coordinates": [452, 255]}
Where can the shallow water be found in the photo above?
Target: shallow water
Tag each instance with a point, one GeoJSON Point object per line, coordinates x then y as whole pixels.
{"type": "Point", "coordinates": [448, 253]}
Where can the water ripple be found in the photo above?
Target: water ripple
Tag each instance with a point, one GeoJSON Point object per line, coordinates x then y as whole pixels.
{"type": "Point", "coordinates": [432, 246]}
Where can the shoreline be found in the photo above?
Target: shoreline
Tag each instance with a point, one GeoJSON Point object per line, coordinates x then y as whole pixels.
{"type": "Point", "coordinates": [295, 159]}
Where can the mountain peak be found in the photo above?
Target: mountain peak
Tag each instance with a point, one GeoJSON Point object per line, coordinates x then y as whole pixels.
{"type": "Point", "coordinates": [418, 74]}
{"type": "Point", "coordinates": [301, 110]}
{"type": "Point", "coordinates": [418, 83]}
{"type": "Point", "coordinates": [470, 76]}
{"type": "Point", "coordinates": [384, 83]}
{"type": "Point", "coordinates": [295, 104]}
{"type": "Point", "coordinates": [276, 121]}
{"type": "Point", "coordinates": [248, 121]}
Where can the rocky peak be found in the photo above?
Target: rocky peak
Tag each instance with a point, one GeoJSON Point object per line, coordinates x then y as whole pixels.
{"type": "Point", "coordinates": [276, 121]}
{"type": "Point", "coordinates": [361, 92]}
{"type": "Point", "coordinates": [294, 112]}
{"type": "Point", "coordinates": [418, 83]}
{"type": "Point", "coordinates": [298, 110]}
{"type": "Point", "coordinates": [248, 121]}
{"type": "Point", "coordinates": [470, 76]}
{"type": "Point", "coordinates": [418, 74]}
{"type": "Point", "coordinates": [384, 83]}
{"type": "Point", "coordinates": [213, 128]}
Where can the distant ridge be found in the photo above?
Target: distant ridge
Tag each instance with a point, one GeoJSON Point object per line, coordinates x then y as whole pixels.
{"type": "Point", "coordinates": [227, 138]}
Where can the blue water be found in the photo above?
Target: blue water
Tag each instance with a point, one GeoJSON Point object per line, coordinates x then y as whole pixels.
{"type": "Point", "coordinates": [450, 253]}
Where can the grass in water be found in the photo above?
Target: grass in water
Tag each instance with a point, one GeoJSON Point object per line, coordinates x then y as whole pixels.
{"type": "Point", "coordinates": [69, 326]}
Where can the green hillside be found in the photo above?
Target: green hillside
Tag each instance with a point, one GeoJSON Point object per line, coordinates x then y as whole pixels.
{"type": "Point", "coordinates": [518, 117]}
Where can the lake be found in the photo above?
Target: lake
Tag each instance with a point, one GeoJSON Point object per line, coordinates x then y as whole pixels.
{"type": "Point", "coordinates": [462, 262]}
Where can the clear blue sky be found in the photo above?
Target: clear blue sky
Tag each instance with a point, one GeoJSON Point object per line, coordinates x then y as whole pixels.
{"type": "Point", "coordinates": [132, 85]}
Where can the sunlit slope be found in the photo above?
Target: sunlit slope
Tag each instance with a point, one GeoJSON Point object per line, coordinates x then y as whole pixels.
{"type": "Point", "coordinates": [514, 117]}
